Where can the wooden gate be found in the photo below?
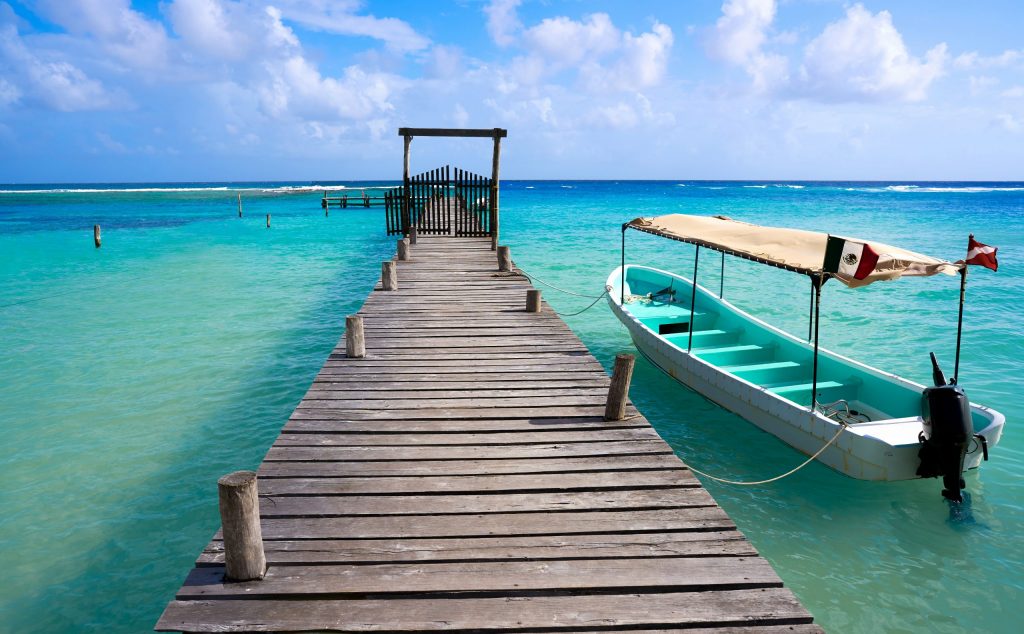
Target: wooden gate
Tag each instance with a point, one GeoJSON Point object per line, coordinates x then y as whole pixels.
{"type": "Point", "coordinates": [437, 205]}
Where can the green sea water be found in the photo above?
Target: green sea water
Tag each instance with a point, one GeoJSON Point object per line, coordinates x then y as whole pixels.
{"type": "Point", "coordinates": [134, 375]}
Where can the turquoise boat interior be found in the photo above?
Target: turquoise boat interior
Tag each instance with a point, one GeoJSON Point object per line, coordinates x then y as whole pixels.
{"type": "Point", "coordinates": [745, 347]}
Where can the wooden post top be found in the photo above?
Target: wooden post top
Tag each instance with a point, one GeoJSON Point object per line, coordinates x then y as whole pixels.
{"type": "Point", "coordinates": [493, 133]}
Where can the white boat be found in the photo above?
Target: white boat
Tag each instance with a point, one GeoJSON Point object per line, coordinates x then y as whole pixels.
{"type": "Point", "coordinates": [786, 385]}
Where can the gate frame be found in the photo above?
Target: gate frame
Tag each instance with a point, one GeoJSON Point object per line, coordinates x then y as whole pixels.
{"type": "Point", "coordinates": [497, 134]}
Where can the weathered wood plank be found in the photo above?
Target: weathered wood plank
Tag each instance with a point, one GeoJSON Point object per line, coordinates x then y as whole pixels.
{"type": "Point", "coordinates": [753, 607]}
{"type": "Point", "coordinates": [481, 426]}
{"type": "Point", "coordinates": [441, 440]}
{"type": "Point", "coordinates": [532, 548]}
{"type": "Point", "coordinates": [452, 413]}
{"type": "Point", "coordinates": [456, 452]}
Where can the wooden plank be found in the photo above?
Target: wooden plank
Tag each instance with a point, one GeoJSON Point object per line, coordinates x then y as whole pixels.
{"type": "Point", "coordinates": [454, 132]}
{"type": "Point", "coordinates": [411, 426]}
{"type": "Point", "coordinates": [492, 524]}
{"type": "Point", "coordinates": [693, 574]}
{"type": "Point", "coordinates": [493, 467]}
{"type": "Point", "coordinates": [463, 413]}
{"type": "Point", "coordinates": [448, 440]}
{"type": "Point", "coordinates": [446, 484]}
{"type": "Point", "coordinates": [538, 396]}
{"type": "Point", "coordinates": [478, 452]}
{"type": "Point", "coordinates": [752, 607]}
{"type": "Point", "coordinates": [531, 548]}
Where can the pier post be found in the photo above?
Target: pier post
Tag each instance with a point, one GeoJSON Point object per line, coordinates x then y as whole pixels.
{"type": "Point", "coordinates": [406, 191]}
{"type": "Point", "coordinates": [495, 168]}
{"type": "Point", "coordinates": [244, 559]}
{"type": "Point", "coordinates": [403, 249]}
{"type": "Point", "coordinates": [504, 259]}
{"type": "Point", "coordinates": [618, 390]}
{"type": "Point", "coordinates": [533, 301]}
{"type": "Point", "coordinates": [412, 234]}
{"type": "Point", "coordinates": [389, 275]}
{"type": "Point", "coordinates": [96, 235]}
{"type": "Point", "coordinates": [355, 339]}
{"type": "Point", "coordinates": [239, 205]}
{"type": "Point", "coordinates": [268, 221]}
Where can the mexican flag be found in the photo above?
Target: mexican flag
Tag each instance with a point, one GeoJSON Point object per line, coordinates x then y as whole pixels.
{"type": "Point", "coordinates": [849, 258]}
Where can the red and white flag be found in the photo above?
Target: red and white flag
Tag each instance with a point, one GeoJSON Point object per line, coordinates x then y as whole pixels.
{"type": "Point", "coordinates": [982, 254]}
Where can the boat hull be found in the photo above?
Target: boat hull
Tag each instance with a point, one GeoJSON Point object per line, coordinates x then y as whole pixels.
{"type": "Point", "coordinates": [880, 450]}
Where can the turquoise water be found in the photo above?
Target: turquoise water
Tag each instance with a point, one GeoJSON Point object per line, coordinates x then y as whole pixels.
{"type": "Point", "coordinates": [136, 374]}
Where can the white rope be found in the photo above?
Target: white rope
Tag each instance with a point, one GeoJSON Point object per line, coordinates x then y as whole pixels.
{"type": "Point", "coordinates": [585, 309]}
{"type": "Point", "coordinates": [537, 279]}
{"type": "Point", "coordinates": [842, 428]}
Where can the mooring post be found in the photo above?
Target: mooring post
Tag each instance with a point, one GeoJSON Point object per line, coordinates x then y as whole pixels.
{"type": "Point", "coordinates": [244, 559]}
{"type": "Point", "coordinates": [618, 390]}
{"type": "Point", "coordinates": [389, 275]}
{"type": "Point", "coordinates": [323, 203]}
{"type": "Point", "coordinates": [268, 221]}
{"type": "Point", "coordinates": [96, 235]}
{"type": "Point", "coordinates": [412, 234]}
{"type": "Point", "coordinates": [344, 201]}
{"type": "Point", "coordinates": [239, 205]}
{"type": "Point", "coordinates": [504, 259]}
{"type": "Point", "coordinates": [355, 340]}
{"type": "Point", "coordinates": [403, 249]}
{"type": "Point", "coordinates": [533, 301]}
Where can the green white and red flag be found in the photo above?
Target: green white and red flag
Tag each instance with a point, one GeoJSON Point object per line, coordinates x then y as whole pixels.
{"type": "Point", "coordinates": [849, 258]}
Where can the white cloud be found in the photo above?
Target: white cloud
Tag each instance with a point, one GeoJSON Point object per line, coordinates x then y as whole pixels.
{"type": "Point", "coordinates": [53, 82]}
{"type": "Point", "coordinates": [341, 18]}
{"type": "Point", "coordinates": [213, 29]}
{"type": "Point", "coordinates": [502, 21]}
{"type": "Point", "coordinates": [9, 93]}
{"type": "Point", "coordinates": [127, 35]}
{"type": "Point", "coordinates": [974, 60]}
{"type": "Point", "coordinates": [1014, 93]}
{"type": "Point", "coordinates": [566, 42]}
{"type": "Point", "coordinates": [460, 118]}
{"type": "Point", "coordinates": [1009, 122]}
{"type": "Point", "coordinates": [862, 57]}
{"type": "Point", "coordinates": [739, 37]}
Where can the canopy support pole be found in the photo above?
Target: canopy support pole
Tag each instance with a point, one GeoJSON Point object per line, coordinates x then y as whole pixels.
{"type": "Point", "coordinates": [622, 269]}
{"type": "Point", "coordinates": [693, 297]}
{"type": "Point", "coordinates": [810, 314]}
{"type": "Point", "coordinates": [816, 284]}
{"type": "Point", "coordinates": [960, 319]}
{"type": "Point", "coordinates": [721, 282]}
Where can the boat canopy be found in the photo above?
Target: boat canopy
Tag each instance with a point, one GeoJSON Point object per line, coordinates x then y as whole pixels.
{"type": "Point", "coordinates": [791, 249]}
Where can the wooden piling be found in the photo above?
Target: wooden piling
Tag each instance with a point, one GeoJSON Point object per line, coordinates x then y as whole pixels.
{"type": "Point", "coordinates": [618, 391]}
{"type": "Point", "coordinates": [403, 249]}
{"type": "Point", "coordinates": [96, 235]}
{"type": "Point", "coordinates": [268, 221]}
{"type": "Point", "coordinates": [244, 559]}
{"type": "Point", "coordinates": [412, 235]}
{"type": "Point", "coordinates": [495, 174]}
{"type": "Point", "coordinates": [344, 201]}
{"type": "Point", "coordinates": [355, 340]}
{"type": "Point", "coordinates": [504, 259]}
{"type": "Point", "coordinates": [239, 205]}
{"type": "Point", "coordinates": [533, 301]}
{"type": "Point", "coordinates": [389, 275]}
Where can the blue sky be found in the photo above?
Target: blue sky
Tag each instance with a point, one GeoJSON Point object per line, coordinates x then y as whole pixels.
{"type": "Point", "coordinates": [211, 90]}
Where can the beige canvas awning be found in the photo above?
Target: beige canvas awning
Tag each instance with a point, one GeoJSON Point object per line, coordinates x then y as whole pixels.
{"type": "Point", "coordinates": [791, 249]}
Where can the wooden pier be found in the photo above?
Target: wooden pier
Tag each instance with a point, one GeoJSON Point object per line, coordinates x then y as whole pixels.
{"type": "Point", "coordinates": [462, 477]}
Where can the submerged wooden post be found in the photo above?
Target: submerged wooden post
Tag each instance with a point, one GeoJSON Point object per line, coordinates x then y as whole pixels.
{"type": "Point", "coordinates": [239, 205]}
{"type": "Point", "coordinates": [412, 235]}
{"type": "Point", "coordinates": [504, 259]}
{"type": "Point", "coordinates": [533, 301]}
{"type": "Point", "coordinates": [244, 559]}
{"type": "Point", "coordinates": [389, 275]}
{"type": "Point", "coordinates": [355, 340]}
{"type": "Point", "coordinates": [403, 249]}
{"type": "Point", "coordinates": [96, 235]}
{"type": "Point", "coordinates": [268, 221]}
{"type": "Point", "coordinates": [495, 168]}
{"type": "Point", "coordinates": [618, 390]}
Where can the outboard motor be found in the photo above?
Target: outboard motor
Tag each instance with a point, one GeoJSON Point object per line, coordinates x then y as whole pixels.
{"type": "Point", "coordinates": [947, 433]}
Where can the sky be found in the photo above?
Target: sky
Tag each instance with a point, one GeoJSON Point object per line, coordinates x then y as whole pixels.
{"type": "Point", "coordinates": [314, 90]}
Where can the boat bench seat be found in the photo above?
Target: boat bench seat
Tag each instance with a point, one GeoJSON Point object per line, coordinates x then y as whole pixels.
{"type": "Point", "coordinates": [704, 338]}
{"type": "Point", "coordinates": [773, 372]}
{"type": "Point", "coordinates": [737, 355]}
{"type": "Point", "coordinates": [827, 391]}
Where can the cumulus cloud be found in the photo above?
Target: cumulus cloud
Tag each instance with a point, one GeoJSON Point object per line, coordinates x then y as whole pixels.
{"type": "Point", "coordinates": [862, 57]}
{"type": "Point", "coordinates": [127, 35]}
{"type": "Point", "coordinates": [502, 21]}
{"type": "Point", "coordinates": [739, 37]}
{"type": "Point", "coordinates": [50, 81]}
{"type": "Point", "coordinates": [975, 60]}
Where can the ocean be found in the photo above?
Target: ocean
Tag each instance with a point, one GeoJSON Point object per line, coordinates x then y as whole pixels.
{"type": "Point", "coordinates": [136, 374]}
